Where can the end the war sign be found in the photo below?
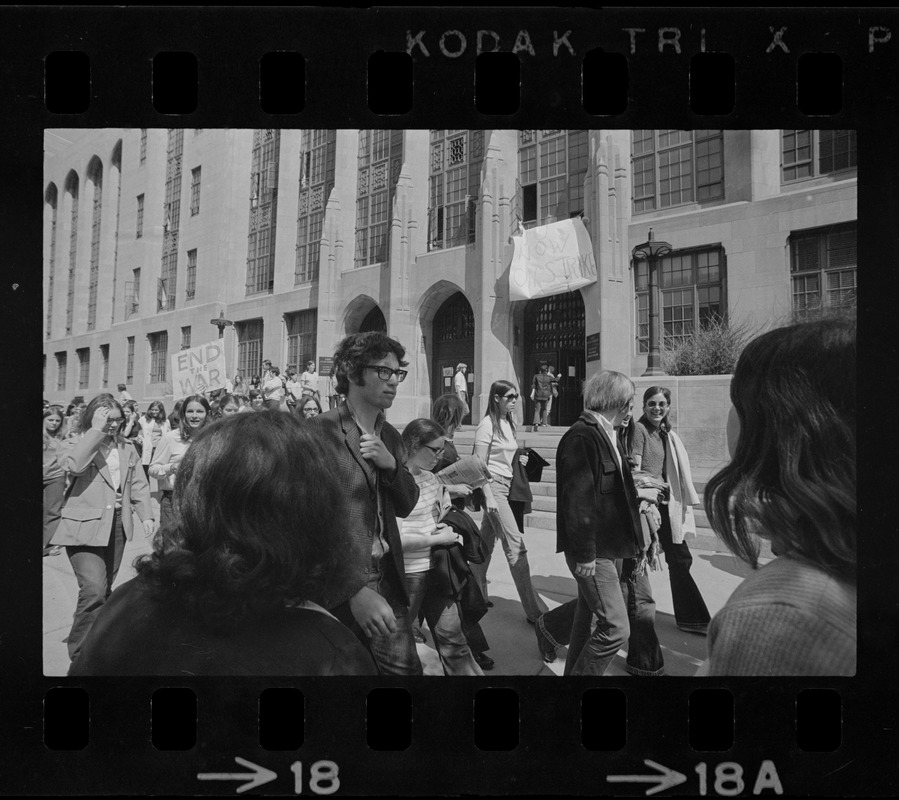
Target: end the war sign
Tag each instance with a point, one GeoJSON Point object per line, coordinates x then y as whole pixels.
{"type": "Point", "coordinates": [198, 370]}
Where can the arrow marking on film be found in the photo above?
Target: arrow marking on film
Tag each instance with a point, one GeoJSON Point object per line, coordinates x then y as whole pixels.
{"type": "Point", "coordinates": [257, 777]}
{"type": "Point", "coordinates": [667, 778]}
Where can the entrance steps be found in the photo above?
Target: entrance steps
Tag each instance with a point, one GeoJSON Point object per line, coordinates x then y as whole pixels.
{"type": "Point", "coordinates": [542, 518]}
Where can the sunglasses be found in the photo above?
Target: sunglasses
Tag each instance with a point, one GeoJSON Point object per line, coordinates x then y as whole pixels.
{"type": "Point", "coordinates": [507, 396]}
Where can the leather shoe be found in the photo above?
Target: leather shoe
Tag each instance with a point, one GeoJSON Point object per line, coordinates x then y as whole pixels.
{"type": "Point", "coordinates": [546, 648]}
{"type": "Point", "coordinates": [489, 604]}
{"type": "Point", "coordinates": [484, 661]}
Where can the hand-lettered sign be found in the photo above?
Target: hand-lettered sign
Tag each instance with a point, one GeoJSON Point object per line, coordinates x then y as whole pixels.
{"type": "Point", "coordinates": [551, 259]}
{"type": "Point", "coordinates": [198, 370]}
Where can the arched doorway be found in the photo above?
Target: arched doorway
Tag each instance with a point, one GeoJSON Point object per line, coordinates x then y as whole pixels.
{"type": "Point", "coordinates": [453, 332]}
{"type": "Point", "coordinates": [374, 321]}
{"type": "Point", "coordinates": [554, 332]}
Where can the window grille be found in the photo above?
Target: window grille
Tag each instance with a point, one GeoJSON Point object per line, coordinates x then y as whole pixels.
{"type": "Point", "coordinates": [159, 356]}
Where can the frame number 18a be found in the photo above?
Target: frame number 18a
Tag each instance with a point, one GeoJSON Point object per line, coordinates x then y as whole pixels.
{"type": "Point", "coordinates": [728, 779]}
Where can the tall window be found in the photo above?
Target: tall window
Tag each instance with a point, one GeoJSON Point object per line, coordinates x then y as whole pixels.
{"type": "Point", "coordinates": [52, 200]}
{"type": "Point", "coordinates": [692, 286]}
{"type": "Point", "coordinates": [671, 168]}
{"type": "Point", "coordinates": [73, 255]}
{"type": "Point", "coordinates": [84, 367]}
{"type": "Point", "coordinates": [96, 177]}
{"type": "Point", "coordinates": [62, 365]}
{"type": "Point", "coordinates": [249, 348]}
{"type": "Point", "coordinates": [301, 337]}
{"type": "Point", "coordinates": [191, 288]}
{"type": "Point", "coordinates": [104, 365]}
{"type": "Point", "coordinates": [185, 337]}
{"type": "Point", "coordinates": [140, 216]}
{"type": "Point", "coordinates": [169, 272]}
{"type": "Point", "coordinates": [195, 191]}
{"type": "Point", "coordinates": [552, 165]}
{"type": "Point", "coordinates": [263, 211]}
{"type": "Point", "coordinates": [807, 154]}
{"type": "Point", "coordinates": [129, 361]}
{"type": "Point", "coordinates": [823, 267]}
{"type": "Point", "coordinates": [316, 182]}
{"type": "Point", "coordinates": [132, 294]}
{"type": "Point", "coordinates": [456, 158]}
{"type": "Point", "coordinates": [380, 160]}
{"type": "Point", "coordinates": [143, 145]}
{"type": "Point", "coordinates": [159, 355]}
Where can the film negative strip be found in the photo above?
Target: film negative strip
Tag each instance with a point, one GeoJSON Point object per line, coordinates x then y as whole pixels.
{"type": "Point", "coordinates": [522, 728]}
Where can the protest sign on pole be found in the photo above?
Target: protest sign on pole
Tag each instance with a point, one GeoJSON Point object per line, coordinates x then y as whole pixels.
{"type": "Point", "coordinates": [551, 259]}
{"type": "Point", "coordinates": [198, 370]}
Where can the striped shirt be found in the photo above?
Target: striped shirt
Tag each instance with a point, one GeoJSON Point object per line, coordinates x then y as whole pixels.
{"type": "Point", "coordinates": [423, 520]}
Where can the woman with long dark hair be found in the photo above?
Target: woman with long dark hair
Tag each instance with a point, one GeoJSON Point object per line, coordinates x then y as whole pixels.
{"type": "Point", "coordinates": [661, 461]}
{"type": "Point", "coordinates": [495, 443]}
{"type": "Point", "coordinates": [238, 583]}
{"type": "Point", "coordinates": [791, 480]}
{"type": "Point", "coordinates": [108, 485]}
{"type": "Point", "coordinates": [195, 414]}
{"type": "Point", "coordinates": [154, 425]}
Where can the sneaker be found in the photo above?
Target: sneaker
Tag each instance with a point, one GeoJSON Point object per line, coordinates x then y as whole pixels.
{"type": "Point", "coordinates": [484, 661]}
{"type": "Point", "coordinates": [419, 635]}
{"type": "Point", "coordinates": [52, 551]}
{"type": "Point", "coordinates": [546, 648]}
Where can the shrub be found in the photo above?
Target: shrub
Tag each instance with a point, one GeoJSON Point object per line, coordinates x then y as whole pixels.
{"type": "Point", "coordinates": [712, 350]}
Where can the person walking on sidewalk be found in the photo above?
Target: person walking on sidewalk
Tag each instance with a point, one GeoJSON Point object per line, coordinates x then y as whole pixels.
{"type": "Point", "coordinates": [460, 385]}
{"type": "Point", "coordinates": [108, 484]}
{"type": "Point", "coordinates": [54, 476]}
{"type": "Point", "coordinates": [430, 591]}
{"type": "Point", "coordinates": [553, 629]}
{"type": "Point", "coordinates": [658, 452]}
{"type": "Point", "coordinates": [599, 531]}
{"type": "Point", "coordinates": [494, 442]}
{"type": "Point", "coordinates": [377, 489]}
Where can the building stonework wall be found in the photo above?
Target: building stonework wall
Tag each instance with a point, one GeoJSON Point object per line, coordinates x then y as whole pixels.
{"type": "Point", "coordinates": [752, 223]}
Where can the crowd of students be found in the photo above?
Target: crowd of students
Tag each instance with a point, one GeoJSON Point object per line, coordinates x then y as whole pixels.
{"type": "Point", "coordinates": [319, 543]}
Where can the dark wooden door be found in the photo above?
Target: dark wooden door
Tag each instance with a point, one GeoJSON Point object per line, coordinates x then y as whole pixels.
{"type": "Point", "coordinates": [554, 332]}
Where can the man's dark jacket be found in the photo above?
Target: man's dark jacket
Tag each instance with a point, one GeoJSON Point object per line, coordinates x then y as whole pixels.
{"type": "Point", "coordinates": [359, 480]}
{"type": "Point", "coordinates": [598, 514]}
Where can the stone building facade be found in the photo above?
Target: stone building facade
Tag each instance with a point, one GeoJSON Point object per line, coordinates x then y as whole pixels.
{"type": "Point", "coordinates": [299, 237]}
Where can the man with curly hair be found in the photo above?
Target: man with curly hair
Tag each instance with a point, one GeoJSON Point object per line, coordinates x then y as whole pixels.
{"type": "Point", "coordinates": [377, 488]}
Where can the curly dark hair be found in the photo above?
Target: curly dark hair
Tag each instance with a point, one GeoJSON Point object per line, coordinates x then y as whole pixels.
{"type": "Point", "coordinates": [793, 470]}
{"type": "Point", "coordinates": [359, 349]}
{"type": "Point", "coordinates": [258, 522]}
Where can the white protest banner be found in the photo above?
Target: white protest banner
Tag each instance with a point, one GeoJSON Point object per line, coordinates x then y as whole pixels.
{"type": "Point", "coordinates": [551, 259]}
{"type": "Point", "coordinates": [198, 370]}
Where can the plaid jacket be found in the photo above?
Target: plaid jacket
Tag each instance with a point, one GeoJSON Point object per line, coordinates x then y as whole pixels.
{"type": "Point", "coordinates": [359, 481]}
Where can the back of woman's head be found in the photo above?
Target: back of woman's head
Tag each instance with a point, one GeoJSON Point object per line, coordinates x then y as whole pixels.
{"type": "Point", "coordinates": [448, 411]}
{"type": "Point", "coordinates": [259, 519]}
{"type": "Point", "coordinates": [419, 432]}
{"type": "Point", "coordinates": [793, 472]}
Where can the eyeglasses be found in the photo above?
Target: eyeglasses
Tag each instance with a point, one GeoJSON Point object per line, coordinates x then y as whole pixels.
{"type": "Point", "coordinates": [385, 373]}
{"type": "Point", "coordinates": [660, 404]}
{"type": "Point", "coordinates": [508, 397]}
{"type": "Point", "coordinates": [437, 451]}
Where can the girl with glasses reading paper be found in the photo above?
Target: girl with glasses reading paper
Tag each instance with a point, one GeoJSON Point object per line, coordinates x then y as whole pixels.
{"type": "Point", "coordinates": [494, 442]}
{"type": "Point", "coordinates": [420, 532]}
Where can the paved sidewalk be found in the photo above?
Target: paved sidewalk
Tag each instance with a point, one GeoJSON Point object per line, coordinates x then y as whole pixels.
{"type": "Point", "coordinates": [512, 642]}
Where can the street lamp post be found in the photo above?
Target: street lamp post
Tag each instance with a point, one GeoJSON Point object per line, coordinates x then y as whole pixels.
{"type": "Point", "coordinates": [652, 251]}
